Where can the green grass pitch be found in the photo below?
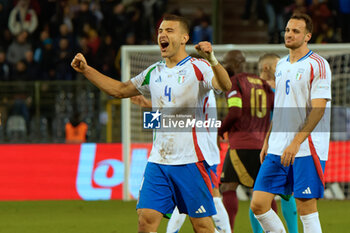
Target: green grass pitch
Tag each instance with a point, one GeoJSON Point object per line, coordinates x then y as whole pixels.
{"type": "Point", "coordinates": [120, 217]}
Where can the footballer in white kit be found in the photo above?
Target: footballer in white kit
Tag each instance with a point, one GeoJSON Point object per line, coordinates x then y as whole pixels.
{"type": "Point", "coordinates": [296, 85]}
{"type": "Point", "coordinates": [187, 85]}
{"type": "Point", "coordinates": [295, 149]}
{"type": "Point", "coordinates": [178, 170]}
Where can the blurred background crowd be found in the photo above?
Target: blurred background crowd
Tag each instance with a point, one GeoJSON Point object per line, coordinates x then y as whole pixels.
{"type": "Point", "coordinates": [40, 94]}
{"type": "Point", "coordinates": [39, 37]}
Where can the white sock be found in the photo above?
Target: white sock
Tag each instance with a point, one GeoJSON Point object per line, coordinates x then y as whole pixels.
{"type": "Point", "coordinates": [221, 219]}
{"type": "Point", "coordinates": [270, 222]}
{"type": "Point", "coordinates": [311, 223]}
{"type": "Point", "coordinates": [176, 221]}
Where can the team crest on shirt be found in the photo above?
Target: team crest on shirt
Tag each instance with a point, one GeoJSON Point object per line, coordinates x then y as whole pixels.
{"type": "Point", "coordinates": [181, 79]}
{"type": "Point", "coordinates": [299, 74]}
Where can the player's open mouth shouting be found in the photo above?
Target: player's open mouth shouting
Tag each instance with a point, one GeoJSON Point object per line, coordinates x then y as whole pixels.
{"type": "Point", "coordinates": [163, 45]}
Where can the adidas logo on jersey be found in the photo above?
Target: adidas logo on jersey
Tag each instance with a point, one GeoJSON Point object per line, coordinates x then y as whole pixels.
{"type": "Point", "coordinates": [307, 191]}
{"type": "Point", "coordinates": [158, 80]}
{"type": "Point", "coordinates": [201, 210]}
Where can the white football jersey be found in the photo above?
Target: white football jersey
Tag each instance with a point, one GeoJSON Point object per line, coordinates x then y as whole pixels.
{"type": "Point", "coordinates": [296, 85]}
{"type": "Point", "coordinates": [187, 85]}
{"type": "Point", "coordinates": [213, 132]}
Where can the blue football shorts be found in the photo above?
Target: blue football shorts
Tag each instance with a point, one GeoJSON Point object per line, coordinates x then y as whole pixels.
{"type": "Point", "coordinates": [188, 186]}
{"type": "Point", "coordinates": [214, 176]}
{"type": "Point", "coordinates": [301, 178]}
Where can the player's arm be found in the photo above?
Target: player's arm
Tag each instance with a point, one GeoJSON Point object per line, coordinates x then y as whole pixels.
{"type": "Point", "coordinates": [221, 80]}
{"type": "Point", "coordinates": [265, 147]}
{"type": "Point", "coordinates": [141, 101]}
{"type": "Point", "coordinates": [234, 112]}
{"type": "Point", "coordinates": [111, 86]}
{"type": "Point", "coordinates": [316, 114]}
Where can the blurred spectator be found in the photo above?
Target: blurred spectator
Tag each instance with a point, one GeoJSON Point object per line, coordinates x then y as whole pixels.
{"type": "Point", "coordinates": [18, 48]}
{"type": "Point", "coordinates": [64, 32]}
{"type": "Point", "coordinates": [33, 71]}
{"type": "Point", "coordinates": [44, 34]}
{"type": "Point", "coordinates": [93, 39]}
{"type": "Point", "coordinates": [82, 17]}
{"type": "Point", "coordinates": [117, 17]}
{"type": "Point", "coordinates": [96, 11]}
{"type": "Point", "coordinates": [76, 129]}
{"type": "Point", "coordinates": [344, 10]}
{"type": "Point", "coordinates": [5, 69]}
{"type": "Point", "coordinates": [20, 71]}
{"type": "Point", "coordinates": [298, 6]}
{"type": "Point", "coordinates": [130, 40]}
{"type": "Point", "coordinates": [203, 31]}
{"type": "Point", "coordinates": [258, 10]}
{"type": "Point", "coordinates": [5, 38]}
{"type": "Point", "coordinates": [133, 13]}
{"type": "Point", "coordinates": [63, 59]}
{"type": "Point", "coordinates": [61, 16]}
{"type": "Point", "coordinates": [20, 109]}
{"type": "Point", "coordinates": [22, 17]}
{"type": "Point", "coordinates": [106, 55]}
{"type": "Point", "coordinates": [4, 14]}
{"type": "Point", "coordinates": [276, 24]}
{"type": "Point", "coordinates": [199, 14]}
{"type": "Point", "coordinates": [320, 14]}
{"type": "Point", "coordinates": [326, 33]}
{"type": "Point", "coordinates": [325, 30]}
{"type": "Point", "coordinates": [152, 11]}
{"type": "Point", "coordinates": [45, 56]}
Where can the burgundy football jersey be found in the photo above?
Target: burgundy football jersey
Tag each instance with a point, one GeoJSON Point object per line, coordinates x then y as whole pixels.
{"type": "Point", "coordinates": [248, 129]}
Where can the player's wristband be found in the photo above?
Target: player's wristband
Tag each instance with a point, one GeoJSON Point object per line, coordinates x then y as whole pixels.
{"type": "Point", "coordinates": [212, 59]}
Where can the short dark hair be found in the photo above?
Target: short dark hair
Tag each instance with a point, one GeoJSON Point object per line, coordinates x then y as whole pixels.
{"type": "Point", "coordinates": [308, 21]}
{"type": "Point", "coordinates": [265, 57]}
{"type": "Point", "coordinates": [268, 56]}
{"type": "Point", "coordinates": [182, 20]}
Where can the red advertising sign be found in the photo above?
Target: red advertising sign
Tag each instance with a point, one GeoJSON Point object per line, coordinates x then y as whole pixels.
{"type": "Point", "coordinates": [338, 164]}
{"type": "Point", "coordinates": [96, 172]}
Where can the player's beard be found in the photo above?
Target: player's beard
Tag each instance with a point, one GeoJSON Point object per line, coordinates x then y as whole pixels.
{"type": "Point", "coordinates": [294, 45]}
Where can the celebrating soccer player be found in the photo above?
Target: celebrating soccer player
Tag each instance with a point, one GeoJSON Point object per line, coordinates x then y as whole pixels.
{"type": "Point", "coordinates": [296, 148]}
{"type": "Point", "coordinates": [177, 172]}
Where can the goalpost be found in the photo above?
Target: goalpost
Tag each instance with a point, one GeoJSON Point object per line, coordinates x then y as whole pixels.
{"type": "Point", "coordinates": [137, 58]}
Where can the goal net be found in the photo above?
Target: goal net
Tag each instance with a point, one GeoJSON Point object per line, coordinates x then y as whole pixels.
{"type": "Point", "coordinates": [137, 58]}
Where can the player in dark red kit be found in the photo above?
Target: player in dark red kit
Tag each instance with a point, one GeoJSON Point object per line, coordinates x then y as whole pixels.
{"type": "Point", "coordinates": [250, 102]}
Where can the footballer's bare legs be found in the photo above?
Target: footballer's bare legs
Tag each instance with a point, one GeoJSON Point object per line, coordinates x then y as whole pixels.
{"type": "Point", "coordinates": [202, 225]}
{"type": "Point", "coordinates": [306, 206]}
{"type": "Point", "coordinates": [149, 220]}
{"type": "Point", "coordinates": [268, 219]}
{"type": "Point", "coordinates": [261, 202]}
{"type": "Point", "coordinates": [307, 209]}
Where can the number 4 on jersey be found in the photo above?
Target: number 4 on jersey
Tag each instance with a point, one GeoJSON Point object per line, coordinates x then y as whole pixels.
{"type": "Point", "coordinates": [167, 92]}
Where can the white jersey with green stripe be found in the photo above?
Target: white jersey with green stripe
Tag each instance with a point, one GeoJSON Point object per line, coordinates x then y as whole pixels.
{"type": "Point", "coordinates": [187, 85]}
